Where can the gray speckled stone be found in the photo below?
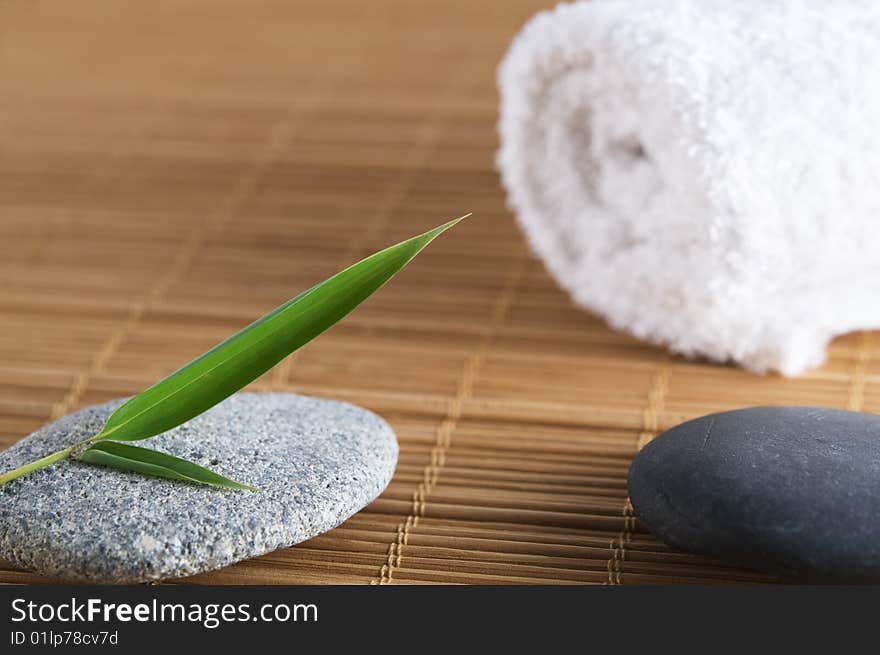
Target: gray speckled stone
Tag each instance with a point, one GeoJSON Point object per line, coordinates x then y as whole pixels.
{"type": "Point", "coordinates": [316, 462]}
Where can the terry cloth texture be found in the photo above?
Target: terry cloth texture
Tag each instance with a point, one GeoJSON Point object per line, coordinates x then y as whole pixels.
{"type": "Point", "coordinates": [705, 174]}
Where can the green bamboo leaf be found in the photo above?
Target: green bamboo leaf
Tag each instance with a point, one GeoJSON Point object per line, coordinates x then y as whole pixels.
{"type": "Point", "coordinates": [152, 462]}
{"type": "Point", "coordinates": [246, 355]}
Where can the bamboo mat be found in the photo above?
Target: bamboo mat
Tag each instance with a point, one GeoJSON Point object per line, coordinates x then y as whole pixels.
{"type": "Point", "coordinates": [171, 170]}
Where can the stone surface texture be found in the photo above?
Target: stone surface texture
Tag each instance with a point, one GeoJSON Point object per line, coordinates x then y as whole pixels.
{"type": "Point", "coordinates": [791, 490]}
{"type": "Point", "coordinates": [315, 462]}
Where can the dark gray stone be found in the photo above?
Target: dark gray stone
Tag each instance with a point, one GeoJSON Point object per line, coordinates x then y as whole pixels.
{"type": "Point", "coordinates": [315, 462]}
{"type": "Point", "coordinates": [790, 490]}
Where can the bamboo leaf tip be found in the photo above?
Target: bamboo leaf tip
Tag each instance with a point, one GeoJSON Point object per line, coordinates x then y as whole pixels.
{"type": "Point", "coordinates": [456, 221]}
{"type": "Point", "coordinates": [432, 234]}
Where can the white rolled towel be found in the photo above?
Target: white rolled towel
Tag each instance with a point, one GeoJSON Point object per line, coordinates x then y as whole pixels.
{"type": "Point", "coordinates": [703, 173]}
